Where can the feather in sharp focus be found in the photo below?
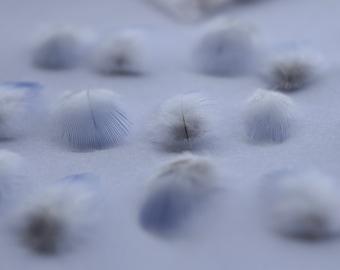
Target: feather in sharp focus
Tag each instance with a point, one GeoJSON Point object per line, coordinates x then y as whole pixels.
{"type": "Point", "coordinates": [269, 117]}
{"type": "Point", "coordinates": [90, 120]}
{"type": "Point", "coordinates": [227, 48]}
{"type": "Point", "coordinates": [293, 68]}
{"type": "Point", "coordinates": [175, 192]}
{"type": "Point", "coordinates": [18, 102]}
{"type": "Point", "coordinates": [121, 54]}
{"type": "Point", "coordinates": [303, 204]}
{"type": "Point", "coordinates": [57, 217]}
{"type": "Point", "coordinates": [184, 122]}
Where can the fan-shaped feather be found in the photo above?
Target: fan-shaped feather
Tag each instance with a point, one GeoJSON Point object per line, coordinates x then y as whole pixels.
{"type": "Point", "coordinates": [269, 117]}
{"type": "Point", "coordinates": [91, 120]}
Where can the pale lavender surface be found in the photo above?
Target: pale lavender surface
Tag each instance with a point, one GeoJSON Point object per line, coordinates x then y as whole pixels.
{"type": "Point", "coordinates": [230, 235]}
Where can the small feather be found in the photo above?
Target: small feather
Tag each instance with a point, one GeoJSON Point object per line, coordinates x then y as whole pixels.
{"type": "Point", "coordinates": [226, 47]}
{"type": "Point", "coordinates": [183, 122]}
{"type": "Point", "coordinates": [56, 217]}
{"type": "Point", "coordinates": [122, 53]}
{"type": "Point", "coordinates": [189, 10]}
{"type": "Point", "coordinates": [58, 47]}
{"type": "Point", "coordinates": [175, 192]}
{"type": "Point", "coordinates": [89, 120]}
{"type": "Point", "coordinates": [269, 117]}
{"type": "Point", "coordinates": [293, 69]}
{"type": "Point", "coordinates": [303, 204]}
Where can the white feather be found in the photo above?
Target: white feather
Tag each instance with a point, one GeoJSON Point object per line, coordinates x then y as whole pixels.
{"type": "Point", "coordinates": [304, 204]}
{"type": "Point", "coordinates": [226, 47]}
{"type": "Point", "coordinates": [90, 119]}
{"type": "Point", "coordinates": [184, 122]}
{"type": "Point", "coordinates": [17, 103]}
{"type": "Point", "coordinates": [189, 10]}
{"type": "Point", "coordinates": [178, 188]}
{"type": "Point", "coordinates": [269, 117]}
{"type": "Point", "coordinates": [58, 47]}
{"type": "Point", "coordinates": [58, 216]}
{"type": "Point", "coordinates": [293, 69]}
{"type": "Point", "coordinates": [122, 53]}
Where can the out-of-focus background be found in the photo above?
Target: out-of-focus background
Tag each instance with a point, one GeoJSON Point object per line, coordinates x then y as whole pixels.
{"type": "Point", "coordinates": [230, 235]}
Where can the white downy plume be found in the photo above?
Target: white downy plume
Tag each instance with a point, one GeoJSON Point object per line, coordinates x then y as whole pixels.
{"type": "Point", "coordinates": [57, 217]}
{"type": "Point", "coordinates": [269, 117]}
{"type": "Point", "coordinates": [122, 53]}
{"type": "Point", "coordinates": [293, 69]}
{"type": "Point", "coordinates": [90, 120]}
{"type": "Point", "coordinates": [304, 204]}
{"type": "Point", "coordinates": [184, 122]}
{"type": "Point", "coordinates": [189, 10]}
{"type": "Point", "coordinates": [175, 192]}
{"type": "Point", "coordinates": [227, 47]}
{"type": "Point", "coordinates": [59, 47]}
{"type": "Point", "coordinates": [18, 101]}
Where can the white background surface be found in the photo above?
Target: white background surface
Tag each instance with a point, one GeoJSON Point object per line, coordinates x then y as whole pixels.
{"type": "Point", "coordinates": [230, 235]}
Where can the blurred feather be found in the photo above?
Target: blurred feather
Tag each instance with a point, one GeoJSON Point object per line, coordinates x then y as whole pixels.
{"type": "Point", "coordinates": [175, 192]}
{"type": "Point", "coordinates": [303, 203]}
{"type": "Point", "coordinates": [57, 217]}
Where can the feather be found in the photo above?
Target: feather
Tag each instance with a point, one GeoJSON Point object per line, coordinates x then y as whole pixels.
{"type": "Point", "coordinates": [303, 203]}
{"type": "Point", "coordinates": [58, 47]}
{"type": "Point", "coordinates": [189, 10]}
{"type": "Point", "coordinates": [178, 188]}
{"type": "Point", "coordinates": [293, 69]}
{"type": "Point", "coordinates": [122, 53]}
{"type": "Point", "coordinates": [183, 122]}
{"type": "Point", "coordinates": [269, 117]}
{"type": "Point", "coordinates": [56, 217]}
{"type": "Point", "coordinates": [18, 100]}
{"type": "Point", "coordinates": [89, 120]}
{"type": "Point", "coordinates": [226, 47]}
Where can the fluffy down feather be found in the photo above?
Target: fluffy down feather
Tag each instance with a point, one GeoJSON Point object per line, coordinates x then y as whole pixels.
{"type": "Point", "coordinates": [304, 204]}
{"type": "Point", "coordinates": [226, 47]}
{"type": "Point", "coordinates": [293, 69]}
{"type": "Point", "coordinates": [184, 122]}
{"type": "Point", "coordinates": [58, 216]}
{"type": "Point", "coordinates": [58, 47]}
{"type": "Point", "coordinates": [269, 117]}
{"type": "Point", "coordinates": [178, 188]}
{"type": "Point", "coordinates": [122, 53]}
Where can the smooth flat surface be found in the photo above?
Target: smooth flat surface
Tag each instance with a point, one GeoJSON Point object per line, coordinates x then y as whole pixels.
{"type": "Point", "coordinates": [231, 234]}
